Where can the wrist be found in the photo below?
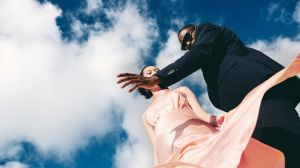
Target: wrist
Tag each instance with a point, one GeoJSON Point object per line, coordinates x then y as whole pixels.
{"type": "Point", "coordinates": [156, 80]}
{"type": "Point", "coordinates": [213, 120]}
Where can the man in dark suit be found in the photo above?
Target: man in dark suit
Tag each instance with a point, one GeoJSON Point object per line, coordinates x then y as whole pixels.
{"type": "Point", "coordinates": [231, 70]}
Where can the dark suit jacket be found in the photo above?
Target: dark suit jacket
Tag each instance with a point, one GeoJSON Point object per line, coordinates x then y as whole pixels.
{"type": "Point", "coordinates": [230, 68]}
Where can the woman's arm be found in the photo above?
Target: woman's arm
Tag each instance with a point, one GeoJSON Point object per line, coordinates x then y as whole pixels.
{"type": "Point", "coordinates": [150, 131]}
{"type": "Point", "coordinates": [198, 110]}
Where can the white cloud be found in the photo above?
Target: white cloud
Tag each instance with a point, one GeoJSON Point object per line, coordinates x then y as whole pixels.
{"type": "Point", "coordinates": [170, 51]}
{"type": "Point", "coordinates": [10, 150]}
{"type": "Point", "coordinates": [14, 164]}
{"type": "Point", "coordinates": [57, 94]}
{"type": "Point", "coordinates": [281, 49]}
{"type": "Point", "coordinates": [296, 14]}
{"type": "Point", "coordinates": [272, 8]}
{"type": "Point", "coordinates": [280, 13]}
{"type": "Point", "coordinates": [277, 12]}
{"type": "Point", "coordinates": [177, 22]}
{"type": "Point", "coordinates": [78, 28]}
{"type": "Point", "coordinates": [93, 6]}
{"type": "Point", "coordinates": [136, 152]}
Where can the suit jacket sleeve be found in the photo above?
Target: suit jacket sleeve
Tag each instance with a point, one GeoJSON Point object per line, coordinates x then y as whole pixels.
{"type": "Point", "coordinates": [194, 59]}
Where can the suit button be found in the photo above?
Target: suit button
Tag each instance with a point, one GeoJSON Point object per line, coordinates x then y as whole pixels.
{"type": "Point", "coordinates": [170, 72]}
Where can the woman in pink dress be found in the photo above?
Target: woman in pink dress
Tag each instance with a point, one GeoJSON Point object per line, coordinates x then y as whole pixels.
{"type": "Point", "coordinates": [185, 136]}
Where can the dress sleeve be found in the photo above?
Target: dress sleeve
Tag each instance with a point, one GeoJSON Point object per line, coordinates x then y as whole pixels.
{"type": "Point", "coordinates": [151, 117]}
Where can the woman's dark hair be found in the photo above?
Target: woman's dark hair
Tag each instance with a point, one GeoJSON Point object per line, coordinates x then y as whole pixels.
{"type": "Point", "coordinates": [145, 92]}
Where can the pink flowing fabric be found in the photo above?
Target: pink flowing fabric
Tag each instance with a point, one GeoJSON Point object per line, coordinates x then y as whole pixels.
{"type": "Point", "coordinates": [182, 140]}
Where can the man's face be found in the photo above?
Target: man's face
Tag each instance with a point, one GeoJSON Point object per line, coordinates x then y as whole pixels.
{"type": "Point", "coordinates": [187, 38]}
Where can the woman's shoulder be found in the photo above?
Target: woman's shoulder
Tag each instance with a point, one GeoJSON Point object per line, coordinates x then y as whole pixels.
{"type": "Point", "coordinates": [182, 89]}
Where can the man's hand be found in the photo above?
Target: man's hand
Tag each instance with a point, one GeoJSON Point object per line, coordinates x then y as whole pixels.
{"type": "Point", "coordinates": [138, 81]}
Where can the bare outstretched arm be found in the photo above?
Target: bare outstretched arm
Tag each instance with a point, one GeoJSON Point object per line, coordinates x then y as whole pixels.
{"type": "Point", "coordinates": [197, 109]}
{"type": "Point", "coordinates": [150, 131]}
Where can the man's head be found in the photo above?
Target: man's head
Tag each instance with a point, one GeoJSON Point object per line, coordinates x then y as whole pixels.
{"type": "Point", "coordinates": [186, 36]}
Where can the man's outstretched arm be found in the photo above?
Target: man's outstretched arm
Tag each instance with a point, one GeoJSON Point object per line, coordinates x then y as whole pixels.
{"type": "Point", "coordinates": [193, 60]}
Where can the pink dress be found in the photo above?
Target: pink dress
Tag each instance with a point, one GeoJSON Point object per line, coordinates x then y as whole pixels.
{"type": "Point", "coordinates": [182, 140]}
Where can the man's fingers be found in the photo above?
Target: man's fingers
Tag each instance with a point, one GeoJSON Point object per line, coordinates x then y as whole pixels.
{"type": "Point", "coordinates": [127, 78]}
{"type": "Point", "coordinates": [126, 74]}
{"type": "Point", "coordinates": [130, 79]}
{"type": "Point", "coordinates": [131, 82]}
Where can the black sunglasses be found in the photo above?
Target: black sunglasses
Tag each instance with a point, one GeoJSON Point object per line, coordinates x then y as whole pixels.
{"type": "Point", "coordinates": [186, 38]}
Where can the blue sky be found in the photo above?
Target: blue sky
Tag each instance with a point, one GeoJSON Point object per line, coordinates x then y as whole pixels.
{"type": "Point", "coordinates": [60, 105]}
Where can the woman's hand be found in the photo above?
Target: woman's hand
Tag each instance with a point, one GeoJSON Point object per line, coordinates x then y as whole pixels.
{"type": "Point", "coordinates": [213, 121]}
{"type": "Point", "coordinates": [220, 119]}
